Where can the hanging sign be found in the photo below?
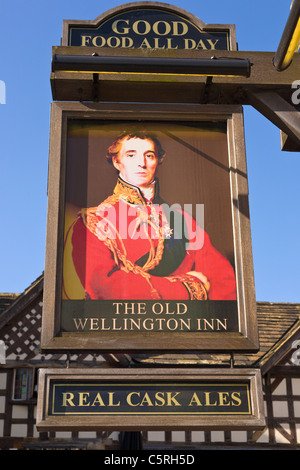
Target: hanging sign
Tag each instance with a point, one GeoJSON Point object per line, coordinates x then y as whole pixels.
{"type": "Point", "coordinates": [149, 399]}
{"type": "Point", "coordinates": [140, 267]}
{"type": "Point", "coordinates": [147, 25]}
{"type": "Point", "coordinates": [149, 245]}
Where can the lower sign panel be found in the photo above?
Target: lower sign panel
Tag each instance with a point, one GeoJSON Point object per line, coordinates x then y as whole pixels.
{"type": "Point", "coordinates": [149, 399]}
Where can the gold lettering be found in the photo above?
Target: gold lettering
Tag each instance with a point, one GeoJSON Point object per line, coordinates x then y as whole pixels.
{"type": "Point", "coordinates": [186, 324]}
{"type": "Point", "coordinates": [213, 44]}
{"type": "Point", "coordinates": [223, 398]}
{"type": "Point", "coordinates": [111, 399]}
{"type": "Point", "coordinates": [167, 310]}
{"type": "Point", "coordinates": [206, 322]}
{"type": "Point", "coordinates": [201, 45]}
{"type": "Point", "coordinates": [179, 304]}
{"type": "Point", "coordinates": [83, 396]}
{"type": "Point", "coordinates": [98, 400]}
{"type": "Point", "coordinates": [137, 323]}
{"type": "Point", "coordinates": [125, 324]}
{"type": "Point", "coordinates": [224, 325]}
{"type": "Point", "coordinates": [115, 27]}
{"type": "Point", "coordinates": [114, 320]}
{"type": "Point", "coordinates": [169, 44]}
{"type": "Point", "coordinates": [189, 44]}
{"type": "Point", "coordinates": [167, 28]}
{"type": "Point", "coordinates": [146, 399]}
{"type": "Point", "coordinates": [128, 399]}
{"type": "Point", "coordinates": [171, 400]}
{"type": "Point", "coordinates": [160, 322]}
{"type": "Point", "coordinates": [95, 41]}
{"type": "Point", "coordinates": [79, 323]}
{"type": "Point", "coordinates": [236, 398]}
{"type": "Point", "coordinates": [212, 324]}
{"type": "Point", "coordinates": [169, 324]}
{"type": "Point", "coordinates": [161, 308]}
{"type": "Point", "coordinates": [129, 308]}
{"type": "Point", "coordinates": [195, 400]}
{"type": "Point", "coordinates": [145, 44]}
{"type": "Point", "coordinates": [138, 308]}
{"type": "Point", "coordinates": [207, 399]}
{"type": "Point", "coordinates": [94, 324]}
{"type": "Point", "coordinates": [67, 399]}
{"type": "Point", "coordinates": [159, 400]}
{"type": "Point", "coordinates": [151, 326]}
{"type": "Point", "coordinates": [117, 305]}
{"type": "Point", "coordinates": [113, 42]}
{"type": "Point", "coordinates": [141, 308]}
{"type": "Point", "coordinates": [103, 325]}
{"type": "Point", "coordinates": [136, 24]}
{"type": "Point", "coordinates": [175, 28]}
{"type": "Point", "coordinates": [156, 44]}
{"type": "Point", "coordinates": [85, 40]}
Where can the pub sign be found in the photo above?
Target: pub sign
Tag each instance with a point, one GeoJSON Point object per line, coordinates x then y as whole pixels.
{"type": "Point", "coordinates": [148, 238]}
{"type": "Point", "coordinates": [148, 25]}
{"type": "Point", "coordinates": [152, 399]}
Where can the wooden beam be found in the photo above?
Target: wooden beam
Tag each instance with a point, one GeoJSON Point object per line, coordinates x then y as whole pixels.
{"type": "Point", "coordinates": [280, 349]}
{"type": "Point", "coordinates": [266, 89]}
{"type": "Point", "coordinates": [24, 300]}
{"type": "Point", "coordinates": [281, 113]}
{"type": "Point", "coordinates": [117, 360]}
{"type": "Point", "coordinates": [81, 86]}
{"type": "Point", "coordinates": [287, 144]}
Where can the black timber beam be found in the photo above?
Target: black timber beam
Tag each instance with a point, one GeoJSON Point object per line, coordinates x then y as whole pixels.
{"type": "Point", "coordinates": [266, 89]}
{"type": "Point", "coordinates": [282, 114]}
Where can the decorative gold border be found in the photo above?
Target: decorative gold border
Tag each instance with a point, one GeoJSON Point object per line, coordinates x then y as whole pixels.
{"type": "Point", "coordinates": [133, 384]}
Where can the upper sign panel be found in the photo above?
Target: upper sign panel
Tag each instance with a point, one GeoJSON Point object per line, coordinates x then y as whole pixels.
{"type": "Point", "coordinates": [148, 25]}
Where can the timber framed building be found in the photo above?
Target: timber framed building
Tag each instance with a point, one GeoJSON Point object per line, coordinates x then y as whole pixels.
{"type": "Point", "coordinates": [20, 360]}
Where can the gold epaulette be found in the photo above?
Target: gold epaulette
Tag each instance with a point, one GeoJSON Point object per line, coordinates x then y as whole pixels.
{"type": "Point", "coordinates": [92, 215]}
{"type": "Point", "coordinates": [89, 218]}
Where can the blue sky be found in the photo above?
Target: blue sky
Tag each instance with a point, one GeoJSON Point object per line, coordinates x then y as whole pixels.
{"type": "Point", "coordinates": [28, 31]}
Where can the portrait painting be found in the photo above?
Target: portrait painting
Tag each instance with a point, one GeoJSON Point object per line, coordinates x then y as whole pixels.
{"type": "Point", "coordinates": [148, 226]}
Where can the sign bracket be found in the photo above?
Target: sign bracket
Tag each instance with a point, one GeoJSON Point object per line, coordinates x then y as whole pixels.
{"type": "Point", "coordinates": [281, 113]}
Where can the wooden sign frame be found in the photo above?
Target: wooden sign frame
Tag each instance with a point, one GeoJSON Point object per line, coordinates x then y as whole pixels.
{"type": "Point", "coordinates": [101, 406]}
{"type": "Point", "coordinates": [245, 338]}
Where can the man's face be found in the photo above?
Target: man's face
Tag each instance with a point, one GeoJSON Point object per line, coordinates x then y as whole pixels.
{"type": "Point", "coordinates": [137, 161]}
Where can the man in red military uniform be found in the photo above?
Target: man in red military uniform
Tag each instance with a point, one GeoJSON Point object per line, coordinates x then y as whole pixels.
{"type": "Point", "coordinates": [129, 248]}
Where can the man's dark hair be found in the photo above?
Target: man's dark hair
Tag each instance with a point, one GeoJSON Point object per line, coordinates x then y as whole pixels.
{"type": "Point", "coordinates": [133, 133]}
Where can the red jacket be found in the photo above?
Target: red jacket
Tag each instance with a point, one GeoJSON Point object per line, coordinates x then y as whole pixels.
{"type": "Point", "coordinates": [126, 249]}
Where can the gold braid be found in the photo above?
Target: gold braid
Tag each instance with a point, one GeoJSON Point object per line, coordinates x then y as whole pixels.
{"type": "Point", "coordinates": [91, 221]}
{"type": "Point", "coordinates": [90, 218]}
